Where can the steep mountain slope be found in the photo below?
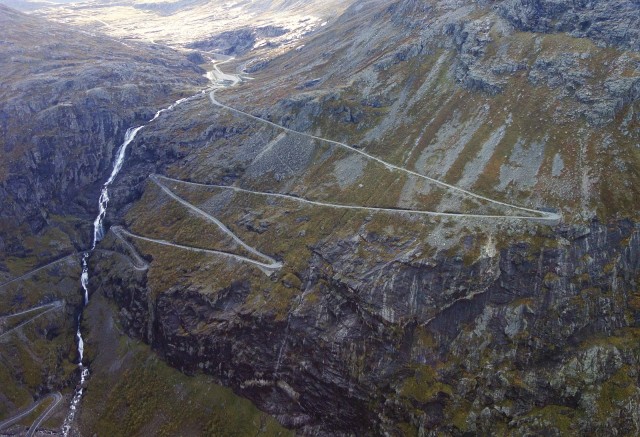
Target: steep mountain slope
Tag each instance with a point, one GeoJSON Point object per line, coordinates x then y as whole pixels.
{"type": "Point", "coordinates": [398, 323]}
{"type": "Point", "coordinates": [65, 106]}
{"type": "Point", "coordinates": [356, 321]}
{"type": "Point", "coordinates": [533, 97]}
{"type": "Point", "coordinates": [66, 100]}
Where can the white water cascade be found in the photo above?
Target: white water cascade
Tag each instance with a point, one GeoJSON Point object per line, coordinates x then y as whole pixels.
{"type": "Point", "coordinates": [98, 234]}
{"type": "Point", "coordinates": [84, 371]}
{"type": "Point", "coordinates": [103, 201]}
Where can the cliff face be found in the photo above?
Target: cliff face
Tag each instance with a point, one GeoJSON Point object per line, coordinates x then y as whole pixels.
{"type": "Point", "coordinates": [64, 108]}
{"type": "Point", "coordinates": [608, 22]}
{"type": "Point", "coordinates": [532, 338]}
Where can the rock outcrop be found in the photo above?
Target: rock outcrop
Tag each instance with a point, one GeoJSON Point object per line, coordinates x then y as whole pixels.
{"type": "Point", "coordinates": [607, 22]}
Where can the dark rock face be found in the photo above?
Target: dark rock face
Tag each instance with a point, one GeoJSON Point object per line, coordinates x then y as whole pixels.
{"type": "Point", "coordinates": [471, 40]}
{"type": "Point", "coordinates": [238, 42]}
{"type": "Point", "coordinates": [614, 22]}
{"type": "Point", "coordinates": [64, 109]}
{"type": "Point", "coordinates": [570, 73]}
{"type": "Point", "coordinates": [52, 180]}
{"type": "Point", "coordinates": [346, 362]}
{"type": "Point", "coordinates": [68, 149]}
{"type": "Point", "coordinates": [229, 43]}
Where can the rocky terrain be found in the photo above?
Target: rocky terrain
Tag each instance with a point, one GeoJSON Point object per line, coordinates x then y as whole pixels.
{"type": "Point", "coordinates": [64, 110]}
{"type": "Point", "coordinates": [66, 100]}
{"type": "Point", "coordinates": [377, 322]}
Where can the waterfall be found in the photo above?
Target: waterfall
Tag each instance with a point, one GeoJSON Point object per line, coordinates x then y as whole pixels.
{"type": "Point", "coordinates": [98, 234]}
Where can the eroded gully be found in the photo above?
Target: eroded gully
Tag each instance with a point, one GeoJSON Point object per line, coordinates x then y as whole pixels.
{"type": "Point", "coordinates": [98, 234]}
